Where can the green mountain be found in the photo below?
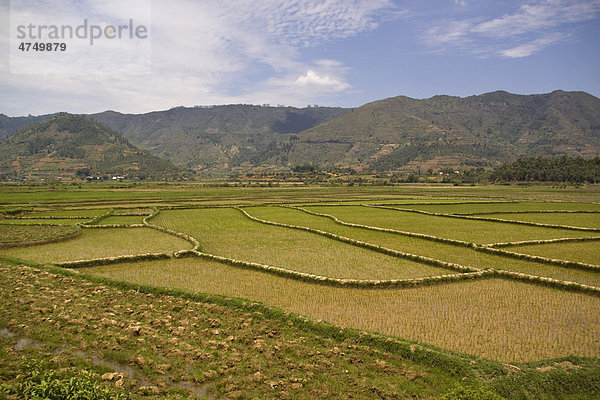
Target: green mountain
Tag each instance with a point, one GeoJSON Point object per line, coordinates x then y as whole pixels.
{"type": "Point", "coordinates": [68, 145]}
{"type": "Point", "coordinates": [395, 134]}
{"type": "Point", "coordinates": [11, 125]}
{"type": "Point", "coordinates": [403, 133]}
{"type": "Point", "coordinates": [218, 137]}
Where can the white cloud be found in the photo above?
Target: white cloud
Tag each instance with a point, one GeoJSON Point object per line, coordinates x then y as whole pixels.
{"type": "Point", "coordinates": [539, 15]}
{"type": "Point", "coordinates": [540, 23]}
{"type": "Point", "coordinates": [532, 47]}
{"type": "Point", "coordinates": [202, 52]}
{"type": "Point", "coordinates": [311, 78]}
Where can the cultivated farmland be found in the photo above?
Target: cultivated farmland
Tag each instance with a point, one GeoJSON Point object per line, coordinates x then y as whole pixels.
{"type": "Point", "coordinates": [484, 275]}
{"type": "Point", "coordinates": [446, 227]}
{"type": "Point", "coordinates": [227, 232]}
{"type": "Point", "coordinates": [498, 319]}
{"type": "Point", "coordinates": [97, 243]}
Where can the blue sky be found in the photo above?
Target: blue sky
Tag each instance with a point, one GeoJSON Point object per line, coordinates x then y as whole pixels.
{"type": "Point", "coordinates": [329, 52]}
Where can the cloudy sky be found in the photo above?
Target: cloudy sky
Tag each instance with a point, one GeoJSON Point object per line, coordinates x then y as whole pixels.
{"type": "Point", "coordinates": [291, 52]}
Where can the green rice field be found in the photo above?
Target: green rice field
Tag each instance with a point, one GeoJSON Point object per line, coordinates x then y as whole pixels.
{"type": "Point", "coordinates": [545, 312]}
{"type": "Point", "coordinates": [583, 220]}
{"type": "Point", "coordinates": [227, 232]}
{"type": "Point", "coordinates": [445, 227]}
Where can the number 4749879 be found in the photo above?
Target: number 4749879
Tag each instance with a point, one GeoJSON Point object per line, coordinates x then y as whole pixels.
{"type": "Point", "coordinates": [42, 46]}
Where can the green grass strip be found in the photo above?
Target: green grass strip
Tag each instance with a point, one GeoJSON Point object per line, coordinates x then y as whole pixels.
{"type": "Point", "coordinates": [530, 212]}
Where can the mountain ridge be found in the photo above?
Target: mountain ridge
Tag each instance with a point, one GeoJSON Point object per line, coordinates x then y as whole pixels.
{"type": "Point", "coordinates": [447, 131]}
{"type": "Point", "coordinates": [393, 134]}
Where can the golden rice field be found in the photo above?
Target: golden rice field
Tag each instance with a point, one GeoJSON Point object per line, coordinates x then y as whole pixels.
{"type": "Point", "coordinates": [13, 234]}
{"type": "Point", "coordinates": [494, 318]}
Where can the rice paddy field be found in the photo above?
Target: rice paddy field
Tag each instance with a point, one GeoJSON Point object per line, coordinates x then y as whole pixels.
{"type": "Point", "coordinates": [445, 227]}
{"type": "Point", "coordinates": [584, 220]}
{"type": "Point", "coordinates": [505, 320]}
{"type": "Point", "coordinates": [122, 220]}
{"type": "Point", "coordinates": [489, 275]}
{"type": "Point", "coordinates": [97, 243]}
{"type": "Point", "coordinates": [586, 252]}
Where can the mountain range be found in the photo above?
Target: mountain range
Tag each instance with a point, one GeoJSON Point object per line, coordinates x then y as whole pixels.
{"type": "Point", "coordinates": [393, 134]}
{"type": "Point", "coordinates": [443, 131]}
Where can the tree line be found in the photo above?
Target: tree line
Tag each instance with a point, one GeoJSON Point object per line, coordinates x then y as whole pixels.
{"type": "Point", "coordinates": [544, 169]}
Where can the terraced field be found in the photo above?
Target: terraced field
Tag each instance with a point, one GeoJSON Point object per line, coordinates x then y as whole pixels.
{"type": "Point", "coordinates": [503, 287]}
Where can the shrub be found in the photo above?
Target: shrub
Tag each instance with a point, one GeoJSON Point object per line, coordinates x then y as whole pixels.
{"type": "Point", "coordinates": [37, 380]}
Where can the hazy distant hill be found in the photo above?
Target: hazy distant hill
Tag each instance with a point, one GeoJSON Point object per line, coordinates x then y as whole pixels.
{"type": "Point", "coordinates": [66, 145]}
{"type": "Point", "coordinates": [218, 137]}
{"type": "Point", "coordinates": [451, 131]}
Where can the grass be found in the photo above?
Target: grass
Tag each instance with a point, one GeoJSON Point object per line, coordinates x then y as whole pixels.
{"type": "Point", "coordinates": [227, 232]}
{"type": "Point", "coordinates": [166, 347]}
{"type": "Point", "coordinates": [451, 228]}
{"type": "Point", "coordinates": [442, 251]}
{"type": "Point", "coordinates": [586, 252]}
{"type": "Point", "coordinates": [31, 233]}
{"type": "Point", "coordinates": [584, 220]}
{"type": "Point", "coordinates": [494, 318]}
{"type": "Point", "coordinates": [96, 243]}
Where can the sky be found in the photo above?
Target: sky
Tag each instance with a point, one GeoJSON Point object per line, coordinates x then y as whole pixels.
{"type": "Point", "coordinates": [138, 56]}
